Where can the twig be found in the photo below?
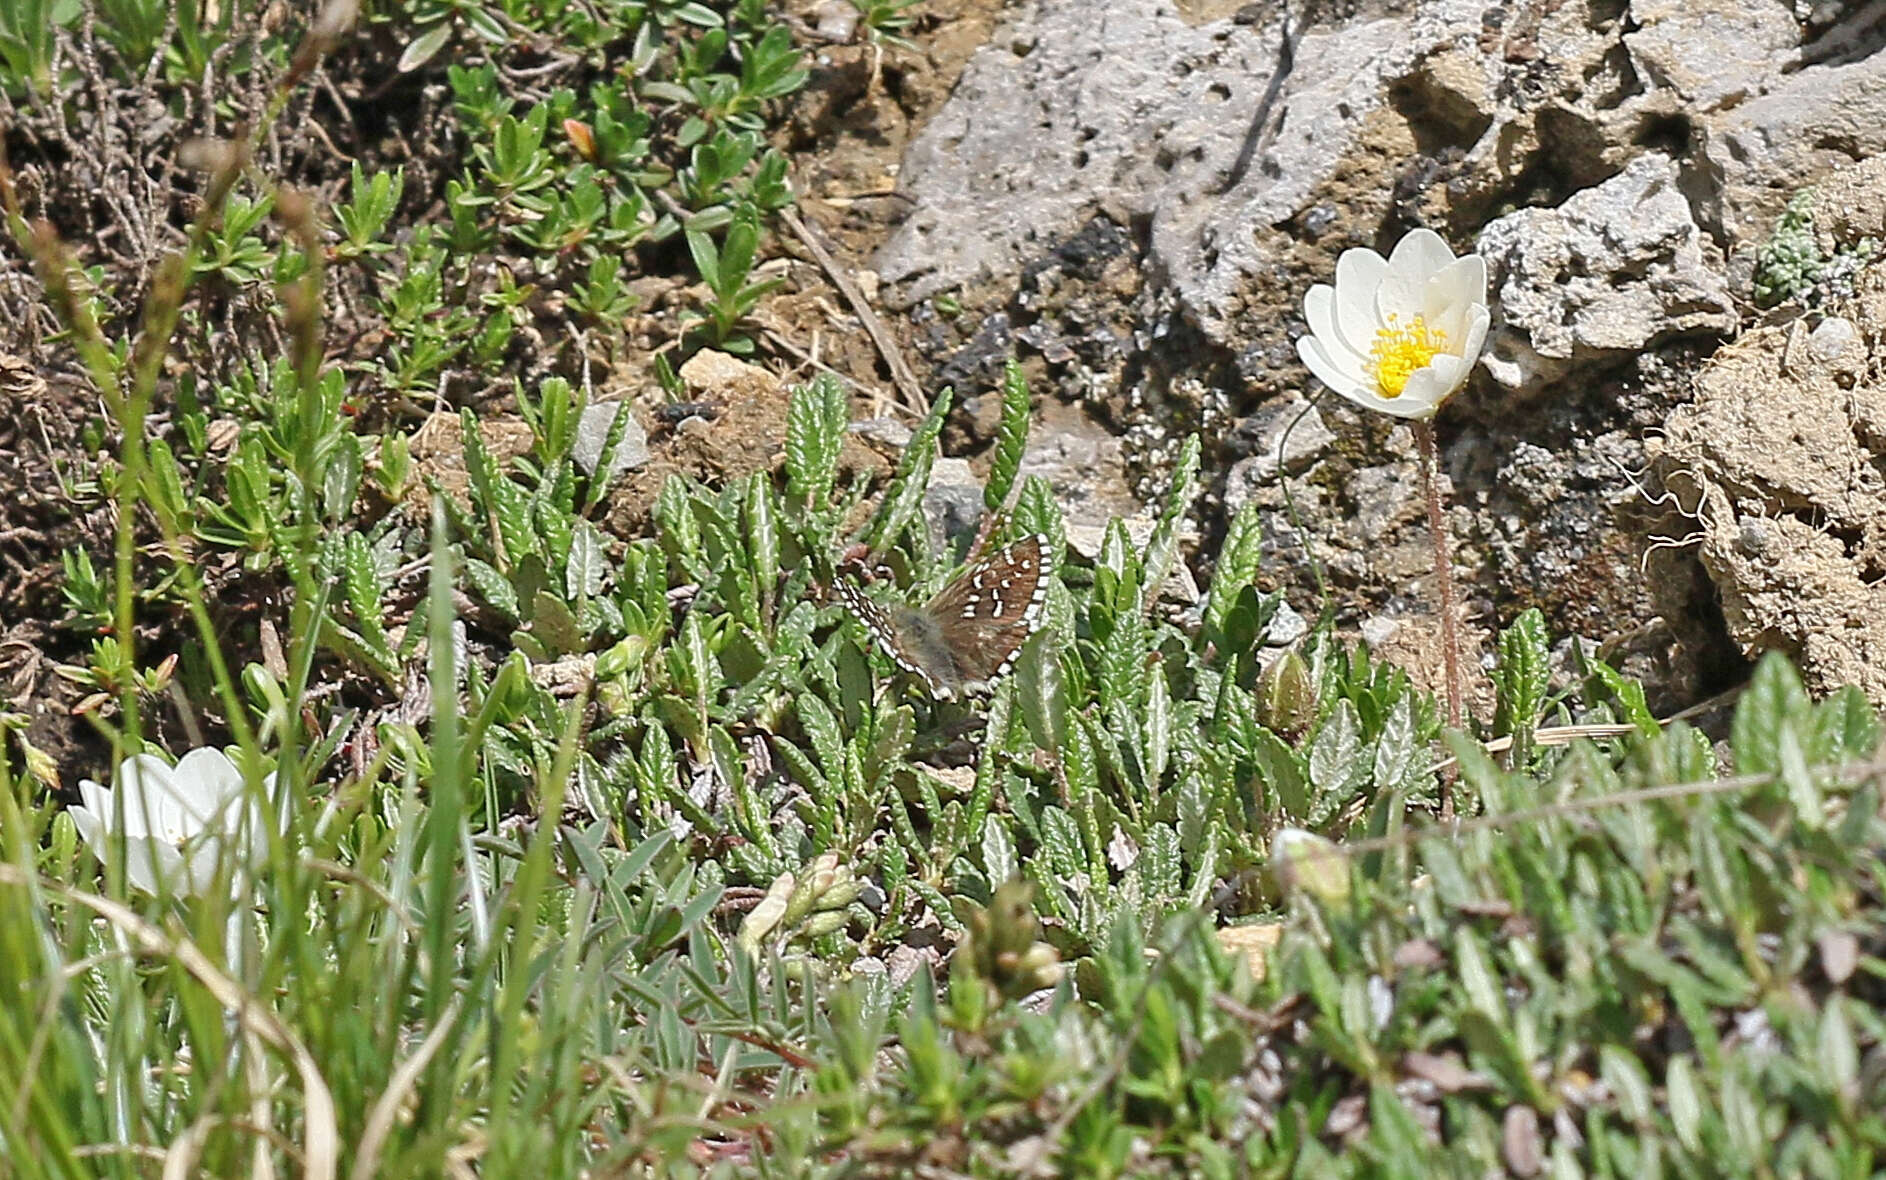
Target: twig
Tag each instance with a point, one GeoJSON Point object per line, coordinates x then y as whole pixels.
{"type": "Point", "coordinates": [901, 376]}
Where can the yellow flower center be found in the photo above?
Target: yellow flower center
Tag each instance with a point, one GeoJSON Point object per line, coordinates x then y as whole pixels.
{"type": "Point", "coordinates": [1402, 350]}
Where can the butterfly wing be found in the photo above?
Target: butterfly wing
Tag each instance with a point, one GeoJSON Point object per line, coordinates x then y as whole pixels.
{"type": "Point", "coordinates": [900, 632]}
{"type": "Point", "coordinates": [990, 610]}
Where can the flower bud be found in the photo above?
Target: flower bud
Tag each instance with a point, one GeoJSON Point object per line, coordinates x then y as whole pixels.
{"type": "Point", "coordinates": [1301, 860]}
{"type": "Point", "coordinates": [1286, 696]}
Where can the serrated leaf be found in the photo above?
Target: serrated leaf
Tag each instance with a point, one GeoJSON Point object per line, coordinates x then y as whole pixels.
{"type": "Point", "coordinates": [816, 419]}
{"type": "Point", "coordinates": [1803, 792]}
{"type": "Point", "coordinates": [1159, 864]}
{"type": "Point", "coordinates": [552, 623]}
{"type": "Point", "coordinates": [588, 570]}
{"type": "Point", "coordinates": [1283, 771]}
{"type": "Point", "coordinates": [1522, 674]}
{"type": "Point", "coordinates": [1158, 744]}
{"type": "Point", "coordinates": [1237, 566]}
{"type": "Point", "coordinates": [1476, 976]}
{"type": "Point", "coordinates": [1839, 1053]}
{"type": "Point", "coordinates": [1061, 844]}
{"type": "Point", "coordinates": [1774, 695]}
{"type": "Point", "coordinates": [1624, 1074]}
{"type": "Point", "coordinates": [1336, 754]}
{"type": "Point", "coordinates": [911, 481]}
{"type": "Point", "coordinates": [998, 853]}
{"type": "Point", "coordinates": [1011, 438]}
{"type": "Point", "coordinates": [1395, 748]}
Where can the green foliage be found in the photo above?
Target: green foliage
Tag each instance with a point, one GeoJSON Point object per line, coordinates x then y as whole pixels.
{"type": "Point", "coordinates": [1790, 266]}
{"type": "Point", "coordinates": [600, 854]}
{"type": "Point", "coordinates": [1789, 262]}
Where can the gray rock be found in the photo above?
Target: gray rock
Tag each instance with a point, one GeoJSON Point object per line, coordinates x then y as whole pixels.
{"type": "Point", "coordinates": [1831, 338]}
{"type": "Point", "coordinates": [1378, 629]}
{"type": "Point", "coordinates": [1127, 108]}
{"type": "Point", "coordinates": [1085, 466]}
{"type": "Point", "coordinates": [1711, 54]}
{"type": "Point", "coordinates": [592, 432]}
{"type": "Point", "coordinates": [953, 502]}
{"type": "Point", "coordinates": [1288, 439]}
{"type": "Point", "coordinates": [886, 432]}
{"type": "Point", "coordinates": [1613, 269]}
{"type": "Point", "coordinates": [1760, 153]}
{"type": "Point", "coordinates": [1286, 627]}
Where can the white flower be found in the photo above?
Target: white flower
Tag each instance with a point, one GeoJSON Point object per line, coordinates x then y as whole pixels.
{"type": "Point", "coordinates": [1398, 335]}
{"type": "Point", "coordinates": [177, 821]}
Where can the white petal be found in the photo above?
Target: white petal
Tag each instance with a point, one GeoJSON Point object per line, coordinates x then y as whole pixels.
{"type": "Point", "coordinates": [1331, 373]}
{"type": "Point", "coordinates": [1319, 309]}
{"type": "Point", "coordinates": [1418, 257]}
{"type": "Point", "coordinates": [1399, 407]}
{"type": "Point", "coordinates": [1477, 321]}
{"type": "Point", "coordinates": [92, 827]}
{"type": "Point", "coordinates": [1449, 326]}
{"type": "Point", "coordinates": [151, 807]}
{"type": "Point", "coordinates": [198, 870]}
{"type": "Point", "coordinates": [1358, 388]}
{"type": "Point", "coordinates": [147, 859]}
{"type": "Point", "coordinates": [1451, 292]}
{"type": "Point", "coordinates": [244, 827]}
{"type": "Point", "coordinates": [97, 800]}
{"type": "Point", "coordinates": [1399, 299]}
{"type": "Point", "coordinates": [1420, 254]}
{"type": "Point", "coordinates": [1465, 280]}
{"type": "Point", "coordinates": [1358, 273]}
{"type": "Point", "coordinates": [1426, 389]}
{"type": "Point", "coordinates": [1450, 372]}
{"type": "Point", "coordinates": [206, 780]}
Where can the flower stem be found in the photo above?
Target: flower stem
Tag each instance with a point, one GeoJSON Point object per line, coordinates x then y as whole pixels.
{"type": "Point", "coordinates": [1444, 575]}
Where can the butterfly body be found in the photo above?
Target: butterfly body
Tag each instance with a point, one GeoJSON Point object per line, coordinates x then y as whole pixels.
{"type": "Point", "coordinates": [966, 637]}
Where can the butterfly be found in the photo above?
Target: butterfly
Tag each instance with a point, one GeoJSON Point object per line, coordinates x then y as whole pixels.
{"type": "Point", "coordinates": [966, 637]}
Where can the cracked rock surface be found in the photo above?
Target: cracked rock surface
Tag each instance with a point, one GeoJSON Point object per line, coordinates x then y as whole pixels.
{"type": "Point", "coordinates": [1100, 197]}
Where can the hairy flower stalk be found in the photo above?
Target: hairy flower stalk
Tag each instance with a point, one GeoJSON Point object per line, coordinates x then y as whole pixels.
{"type": "Point", "coordinates": [1399, 335]}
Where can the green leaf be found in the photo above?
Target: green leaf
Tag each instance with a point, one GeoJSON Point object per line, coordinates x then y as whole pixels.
{"type": "Point", "coordinates": [424, 47]}
{"type": "Point", "coordinates": [1158, 746]}
{"type": "Point", "coordinates": [1395, 748]}
{"type": "Point", "coordinates": [1011, 438]}
{"type": "Point", "coordinates": [1774, 695]}
{"type": "Point", "coordinates": [815, 431]}
{"type": "Point", "coordinates": [706, 256]}
{"type": "Point", "coordinates": [1839, 1053]}
{"type": "Point", "coordinates": [821, 726]}
{"type": "Point", "coordinates": [1686, 1103]}
{"type": "Point", "coordinates": [1476, 977]}
{"type": "Point", "coordinates": [1522, 678]}
{"type": "Point", "coordinates": [998, 853]}
{"type": "Point", "coordinates": [1803, 792]}
{"type": "Point", "coordinates": [1336, 762]}
{"type": "Point", "coordinates": [911, 480]}
{"type": "Point", "coordinates": [1624, 1075]}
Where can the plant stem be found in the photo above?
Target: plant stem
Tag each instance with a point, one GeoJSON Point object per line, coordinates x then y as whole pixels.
{"type": "Point", "coordinates": [1444, 574]}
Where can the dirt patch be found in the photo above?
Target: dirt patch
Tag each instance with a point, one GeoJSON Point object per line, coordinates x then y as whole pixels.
{"type": "Point", "coordinates": [734, 425]}
{"type": "Point", "coordinates": [1778, 494]}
